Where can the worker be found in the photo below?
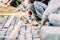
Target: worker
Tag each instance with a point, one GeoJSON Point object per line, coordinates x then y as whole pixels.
{"type": "Point", "coordinates": [52, 13]}
{"type": "Point", "coordinates": [37, 8]}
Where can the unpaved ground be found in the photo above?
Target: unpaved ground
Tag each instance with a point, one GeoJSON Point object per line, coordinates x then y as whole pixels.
{"type": "Point", "coordinates": [7, 10]}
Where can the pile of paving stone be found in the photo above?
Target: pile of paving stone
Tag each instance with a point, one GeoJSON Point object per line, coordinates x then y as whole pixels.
{"type": "Point", "coordinates": [14, 28]}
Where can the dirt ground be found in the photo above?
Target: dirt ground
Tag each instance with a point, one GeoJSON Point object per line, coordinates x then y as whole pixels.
{"type": "Point", "coordinates": [7, 10]}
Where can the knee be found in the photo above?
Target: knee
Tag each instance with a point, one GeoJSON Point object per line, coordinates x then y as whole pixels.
{"type": "Point", "coordinates": [54, 16]}
{"type": "Point", "coordinates": [54, 19]}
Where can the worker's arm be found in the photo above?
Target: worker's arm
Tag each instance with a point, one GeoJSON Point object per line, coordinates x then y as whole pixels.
{"type": "Point", "coordinates": [46, 14]}
{"type": "Point", "coordinates": [43, 22]}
